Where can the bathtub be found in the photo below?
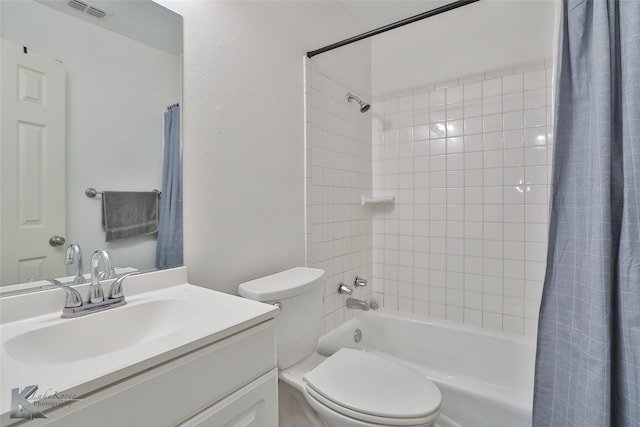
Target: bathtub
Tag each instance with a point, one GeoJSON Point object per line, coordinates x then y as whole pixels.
{"type": "Point", "coordinates": [486, 377]}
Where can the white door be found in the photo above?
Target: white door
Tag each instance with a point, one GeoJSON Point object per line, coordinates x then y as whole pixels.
{"type": "Point", "coordinates": [32, 165]}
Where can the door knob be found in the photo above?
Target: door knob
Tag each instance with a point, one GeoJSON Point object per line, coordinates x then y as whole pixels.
{"type": "Point", "coordinates": [56, 241]}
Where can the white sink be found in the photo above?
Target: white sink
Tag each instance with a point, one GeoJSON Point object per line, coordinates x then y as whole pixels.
{"type": "Point", "coordinates": [165, 317]}
{"type": "Point", "coordinates": [93, 335]}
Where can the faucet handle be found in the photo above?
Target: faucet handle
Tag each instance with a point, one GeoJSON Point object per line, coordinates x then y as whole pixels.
{"type": "Point", "coordinates": [358, 281]}
{"type": "Point", "coordinates": [74, 299]}
{"type": "Point", "coordinates": [344, 289]}
{"type": "Point", "coordinates": [115, 290]}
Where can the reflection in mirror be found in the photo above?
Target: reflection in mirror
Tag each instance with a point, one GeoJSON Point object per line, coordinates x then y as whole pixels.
{"type": "Point", "coordinates": [94, 91]}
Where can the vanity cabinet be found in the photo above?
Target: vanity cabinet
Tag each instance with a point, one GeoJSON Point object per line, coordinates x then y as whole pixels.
{"type": "Point", "coordinates": [230, 382]}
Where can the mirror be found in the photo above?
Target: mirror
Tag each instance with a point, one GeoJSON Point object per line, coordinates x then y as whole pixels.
{"type": "Point", "coordinates": [122, 67]}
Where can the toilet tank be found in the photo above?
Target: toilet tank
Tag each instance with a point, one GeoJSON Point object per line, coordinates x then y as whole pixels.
{"type": "Point", "coordinates": [300, 293]}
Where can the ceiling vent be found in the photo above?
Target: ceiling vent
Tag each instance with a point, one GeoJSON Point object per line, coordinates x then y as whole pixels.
{"type": "Point", "coordinates": [89, 9]}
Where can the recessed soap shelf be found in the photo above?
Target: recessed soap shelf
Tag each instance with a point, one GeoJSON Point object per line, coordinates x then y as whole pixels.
{"type": "Point", "coordinates": [377, 200]}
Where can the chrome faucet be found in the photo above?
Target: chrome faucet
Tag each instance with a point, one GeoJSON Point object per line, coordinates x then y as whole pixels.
{"type": "Point", "coordinates": [74, 256]}
{"type": "Point", "coordinates": [357, 303]}
{"type": "Point", "coordinates": [95, 288]}
{"type": "Point", "coordinates": [75, 307]}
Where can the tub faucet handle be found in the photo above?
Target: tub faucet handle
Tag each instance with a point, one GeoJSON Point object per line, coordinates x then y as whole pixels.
{"type": "Point", "coordinates": [344, 289]}
{"type": "Point", "coordinates": [359, 281]}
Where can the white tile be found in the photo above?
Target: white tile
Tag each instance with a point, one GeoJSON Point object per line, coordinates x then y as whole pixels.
{"type": "Point", "coordinates": [535, 98]}
{"type": "Point", "coordinates": [513, 102]}
{"type": "Point", "coordinates": [535, 136]}
{"type": "Point", "coordinates": [513, 157]}
{"type": "Point", "coordinates": [514, 213]}
{"type": "Point", "coordinates": [420, 132]}
{"type": "Point", "coordinates": [473, 125]}
{"type": "Point", "coordinates": [473, 108]}
{"type": "Point", "coordinates": [514, 288]}
{"type": "Point", "coordinates": [493, 231]}
{"type": "Point", "coordinates": [513, 120]}
{"type": "Point", "coordinates": [472, 196]}
{"type": "Point", "coordinates": [513, 269]}
{"type": "Point", "coordinates": [492, 303]}
{"type": "Point", "coordinates": [535, 117]}
{"type": "Point", "coordinates": [473, 160]}
{"type": "Point", "coordinates": [492, 105]}
{"type": "Point", "coordinates": [456, 178]}
{"type": "Point", "coordinates": [535, 156]}
{"type": "Point", "coordinates": [493, 195]}
{"type": "Point", "coordinates": [473, 317]}
{"type": "Point", "coordinates": [493, 213]}
{"type": "Point", "coordinates": [514, 231]}
{"type": "Point", "coordinates": [492, 321]}
{"type": "Point", "coordinates": [436, 310]}
{"type": "Point", "coordinates": [514, 176]}
{"type": "Point", "coordinates": [493, 176]}
{"type": "Point", "coordinates": [492, 123]}
{"type": "Point", "coordinates": [535, 79]}
{"type": "Point", "coordinates": [455, 161]}
{"type": "Point", "coordinates": [437, 98]}
{"type": "Point", "coordinates": [536, 251]}
{"type": "Point", "coordinates": [455, 111]}
{"type": "Point", "coordinates": [421, 100]}
{"type": "Point", "coordinates": [534, 270]}
{"type": "Point", "coordinates": [437, 130]}
{"type": "Point", "coordinates": [454, 94]}
{"type": "Point", "coordinates": [492, 87]}
{"type": "Point", "coordinates": [455, 144]}
{"type": "Point", "coordinates": [536, 194]}
{"type": "Point", "coordinates": [513, 324]}
{"type": "Point", "coordinates": [493, 159]}
{"type": "Point", "coordinates": [455, 297]}
{"type": "Point", "coordinates": [473, 142]}
{"type": "Point", "coordinates": [535, 232]}
{"type": "Point", "coordinates": [512, 83]}
{"type": "Point", "coordinates": [473, 91]}
{"type": "Point", "coordinates": [438, 179]}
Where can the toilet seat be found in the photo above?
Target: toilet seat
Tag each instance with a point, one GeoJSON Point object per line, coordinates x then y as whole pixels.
{"type": "Point", "coordinates": [369, 388]}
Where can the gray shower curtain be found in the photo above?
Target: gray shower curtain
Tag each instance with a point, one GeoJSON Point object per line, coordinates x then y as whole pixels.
{"type": "Point", "coordinates": [169, 246]}
{"type": "Point", "coordinates": [588, 358]}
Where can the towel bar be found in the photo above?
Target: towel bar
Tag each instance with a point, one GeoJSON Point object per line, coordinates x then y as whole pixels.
{"type": "Point", "coordinates": [91, 192]}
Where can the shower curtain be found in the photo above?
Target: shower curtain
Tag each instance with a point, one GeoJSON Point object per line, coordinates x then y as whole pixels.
{"type": "Point", "coordinates": [169, 246]}
{"type": "Point", "coordinates": [588, 359]}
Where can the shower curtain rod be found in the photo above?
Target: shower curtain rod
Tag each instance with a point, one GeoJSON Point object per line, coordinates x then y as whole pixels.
{"type": "Point", "coordinates": [397, 24]}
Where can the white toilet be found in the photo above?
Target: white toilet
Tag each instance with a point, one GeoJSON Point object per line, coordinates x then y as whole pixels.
{"type": "Point", "coordinates": [349, 388]}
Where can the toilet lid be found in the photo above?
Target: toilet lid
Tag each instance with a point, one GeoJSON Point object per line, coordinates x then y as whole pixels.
{"type": "Point", "coordinates": [367, 384]}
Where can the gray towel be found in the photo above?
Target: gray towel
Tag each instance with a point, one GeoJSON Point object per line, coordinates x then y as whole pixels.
{"type": "Point", "coordinates": [128, 214]}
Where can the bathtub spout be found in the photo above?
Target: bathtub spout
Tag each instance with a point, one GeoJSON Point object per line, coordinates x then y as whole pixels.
{"type": "Point", "coordinates": [357, 303]}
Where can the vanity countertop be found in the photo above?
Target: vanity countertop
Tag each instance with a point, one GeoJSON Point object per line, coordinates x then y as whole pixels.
{"type": "Point", "coordinates": [165, 317]}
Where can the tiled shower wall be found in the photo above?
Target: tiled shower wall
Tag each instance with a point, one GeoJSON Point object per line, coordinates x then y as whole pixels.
{"type": "Point", "coordinates": [468, 162]}
{"type": "Point", "coordinates": [338, 173]}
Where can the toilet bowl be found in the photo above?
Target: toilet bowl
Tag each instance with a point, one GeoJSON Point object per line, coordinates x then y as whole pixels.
{"type": "Point", "coordinates": [350, 388]}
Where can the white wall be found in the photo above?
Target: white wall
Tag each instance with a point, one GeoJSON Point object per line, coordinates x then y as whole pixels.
{"type": "Point", "coordinates": [243, 131]}
{"type": "Point", "coordinates": [117, 92]}
{"type": "Point", "coordinates": [487, 35]}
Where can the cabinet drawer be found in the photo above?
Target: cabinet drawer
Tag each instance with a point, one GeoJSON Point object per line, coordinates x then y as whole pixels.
{"type": "Point", "coordinates": [254, 405]}
{"type": "Point", "coordinates": [173, 392]}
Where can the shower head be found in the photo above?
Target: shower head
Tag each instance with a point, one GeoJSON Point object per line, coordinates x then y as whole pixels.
{"type": "Point", "coordinates": [364, 107]}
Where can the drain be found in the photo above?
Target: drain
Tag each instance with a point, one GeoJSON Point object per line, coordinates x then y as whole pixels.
{"type": "Point", "coordinates": [357, 335]}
